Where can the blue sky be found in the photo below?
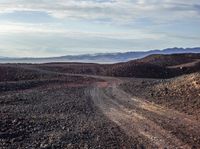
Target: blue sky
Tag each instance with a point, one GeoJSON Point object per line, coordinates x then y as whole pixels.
{"type": "Point", "coordinates": [40, 28]}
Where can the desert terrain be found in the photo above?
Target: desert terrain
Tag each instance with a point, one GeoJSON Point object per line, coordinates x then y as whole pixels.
{"type": "Point", "coordinates": [153, 102]}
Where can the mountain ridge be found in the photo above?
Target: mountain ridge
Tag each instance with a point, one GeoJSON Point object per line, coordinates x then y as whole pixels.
{"type": "Point", "coordinates": [100, 57]}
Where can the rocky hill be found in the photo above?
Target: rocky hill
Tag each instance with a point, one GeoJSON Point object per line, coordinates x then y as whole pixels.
{"type": "Point", "coordinates": [157, 66]}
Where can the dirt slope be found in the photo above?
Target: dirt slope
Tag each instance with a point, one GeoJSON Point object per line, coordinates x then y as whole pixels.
{"type": "Point", "coordinates": [180, 93]}
{"type": "Point", "coordinates": [157, 66]}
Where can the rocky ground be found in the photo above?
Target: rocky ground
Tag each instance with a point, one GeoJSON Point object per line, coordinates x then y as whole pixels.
{"type": "Point", "coordinates": [61, 117]}
{"type": "Point", "coordinates": [44, 108]}
{"type": "Point", "coordinates": [56, 113]}
{"type": "Point", "coordinates": [180, 93]}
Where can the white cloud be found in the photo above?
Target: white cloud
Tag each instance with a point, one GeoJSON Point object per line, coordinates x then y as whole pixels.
{"type": "Point", "coordinates": [115, 10]}
{"type": "Point", "coordinates": [44, 29]}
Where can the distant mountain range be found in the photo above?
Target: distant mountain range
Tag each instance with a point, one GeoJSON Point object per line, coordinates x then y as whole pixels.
{"type": "Point", "coordinates": [100, 57]}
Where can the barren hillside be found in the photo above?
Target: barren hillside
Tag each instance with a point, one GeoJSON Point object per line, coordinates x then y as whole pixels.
{"type": "Point", "coordinates": [154, 66]}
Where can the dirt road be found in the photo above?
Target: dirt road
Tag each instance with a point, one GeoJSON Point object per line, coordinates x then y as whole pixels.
{"type": "Point", "coordinates": [163, 127]}
{"type": "Point", "coordinates": [153, 125]}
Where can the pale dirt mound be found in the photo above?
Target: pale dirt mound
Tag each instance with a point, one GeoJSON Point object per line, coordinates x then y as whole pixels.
{"type": "Point", "coordinates": [183, 93]}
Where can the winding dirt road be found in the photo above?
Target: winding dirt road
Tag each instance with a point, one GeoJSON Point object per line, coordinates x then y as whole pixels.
{"type": "Point", "coordinates": [160, 126]}
{"type": "Point", "coordinates": [164, 128]}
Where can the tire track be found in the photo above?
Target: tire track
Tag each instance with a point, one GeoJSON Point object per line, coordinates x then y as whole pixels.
{"type": "Point", "coordinates": [134, 117]}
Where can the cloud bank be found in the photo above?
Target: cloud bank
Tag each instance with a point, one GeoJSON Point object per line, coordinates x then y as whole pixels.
{"type": "Point", "coordinates": [113, 10]}
{"type": "Point", "coordinates": [49, 27]}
